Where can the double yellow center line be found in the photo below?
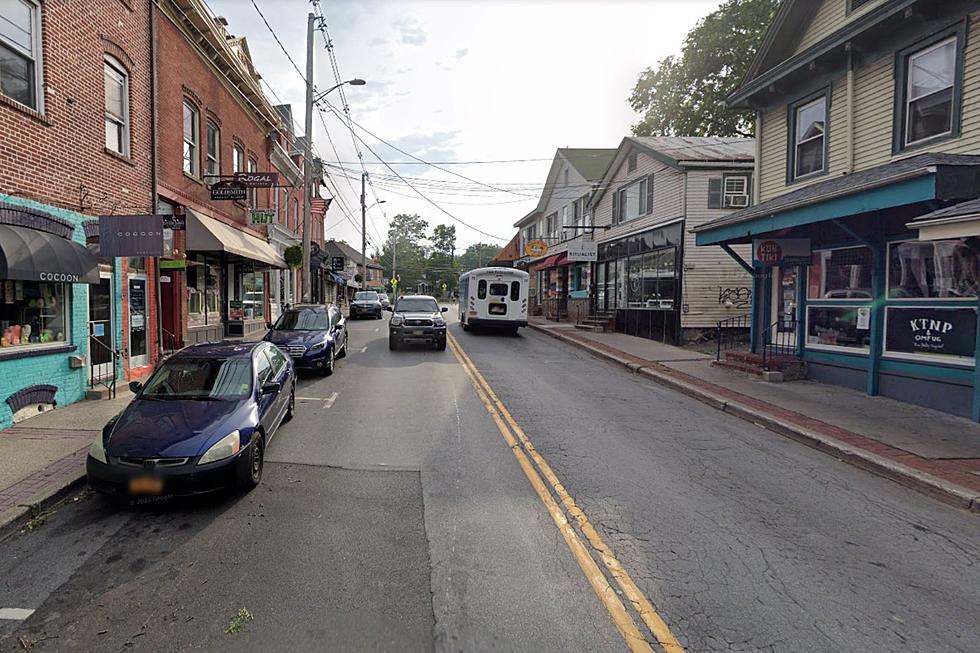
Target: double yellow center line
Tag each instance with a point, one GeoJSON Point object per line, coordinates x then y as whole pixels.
{"type": "Point", "coordinates": [525, 453]}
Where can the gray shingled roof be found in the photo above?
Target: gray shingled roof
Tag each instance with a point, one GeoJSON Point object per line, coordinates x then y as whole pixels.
{"type": "Point", "coordinates": [591, 163]}
{"type": "Point", "coordinates": [970, 207]}
{"type": "Point", "coordinates": [700, 148]}
{"type": "Point", "coordinates": [843, 185]}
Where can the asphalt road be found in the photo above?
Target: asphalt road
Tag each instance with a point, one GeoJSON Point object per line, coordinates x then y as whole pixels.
{"type": "Point", "coordinates": [393, 515]}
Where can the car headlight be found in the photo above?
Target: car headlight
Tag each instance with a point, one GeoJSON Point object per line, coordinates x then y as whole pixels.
{"type": "Point", "coordinates": [224, 448]}
{"type": "Point", "coordinates": [320, 345]}
{"type": "Point", "coordinates": [439, 321]}
{"type": "Point", "coordinates": [97, 450]}
{"type": "Point", "coordinates": [396, 320]}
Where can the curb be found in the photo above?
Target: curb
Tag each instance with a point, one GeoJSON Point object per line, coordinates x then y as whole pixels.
{"type": "Point", "coordinates": [13, 520]}
{"type": "Point", "coordinates": [934, 486]}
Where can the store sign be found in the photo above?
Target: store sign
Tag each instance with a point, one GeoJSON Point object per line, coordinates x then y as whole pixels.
{"type": "Point", "coordinates": [175, 264]}
{"type": "Point", "coordinates": [257, 179]}
{"type": "Point", "coordinates": [130, 235]}
{"type": "Point", "coordinates": [536, 248]}
{"type": "Point", "coordinates": [583, 250]}
{"type": "Point", "coordinates": [337, 263]}
{"type": "Point", "coordinates": [261, 216]}
{"type": "Point", "coordinates": [228, 190]}
{"type": "Point", "coordinates": [936, 331]}
{"type": "Point", "coordinates": [781, 251]}
{"type": "Point", "coordinates": [175, 222]}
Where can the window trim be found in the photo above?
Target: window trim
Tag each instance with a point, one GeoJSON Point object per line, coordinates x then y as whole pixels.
{"type": "Point", "coordinates": [642, 185]}
{"type": "Point", "coordinates": [792, 110]}
{"type": "Point", "coordinates": [852, 8]}
{"type": "Point", "coordinates": [120, 69]}
{"type": "Point", "coordinates": [252, 165]}
{"type": "Point", "coordinates": [915, 300]}
{"type": "Point", "coordinates": [217, 146]}
{"type": "Point", "coordinates": [195, 160]}
{"type": "Point", "coordinates": [37, 59]}
{"type": "Point", "coordinates": [956, 31]}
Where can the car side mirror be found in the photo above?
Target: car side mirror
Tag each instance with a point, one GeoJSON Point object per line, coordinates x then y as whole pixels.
{"type": "Point", "coordinates": [135, 387]}
{"type": "Point", "coordinates": [271, 388]}
{"type": "Point", "coordinates": [445, 309]}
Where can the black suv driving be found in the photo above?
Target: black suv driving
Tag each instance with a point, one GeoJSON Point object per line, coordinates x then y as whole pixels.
{"type": "Point", "coordinates": [417, 318]}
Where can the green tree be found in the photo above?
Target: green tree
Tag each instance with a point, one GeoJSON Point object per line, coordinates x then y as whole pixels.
{"type": "Point", "coordinates": [443, 238]}
{"type": "Point", "coordinates": [683, 95]}
{"type": "Point", "coordinates": [406, 236]}
{"type": "Point", "coordinates": [477, 256]}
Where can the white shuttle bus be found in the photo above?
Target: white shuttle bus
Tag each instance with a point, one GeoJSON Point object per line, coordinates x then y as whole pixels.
{"type": "Point", "coordinates": [493, 298]}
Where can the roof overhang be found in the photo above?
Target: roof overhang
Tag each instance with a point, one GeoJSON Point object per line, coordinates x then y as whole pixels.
{"type": "Point", "coordinates": [961, 226]}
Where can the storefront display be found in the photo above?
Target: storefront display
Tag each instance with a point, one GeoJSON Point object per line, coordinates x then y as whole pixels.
{"type": "Point", "coordinates": [640, 272]}
{"type": "Point", "coordinates": [838, 326]}
{"type": "Point", "coordinates": [939, 269]}
{"type": "Point", "coordinates": [203, 291]}
{"type": "Point", "coordinates": [32, 313]}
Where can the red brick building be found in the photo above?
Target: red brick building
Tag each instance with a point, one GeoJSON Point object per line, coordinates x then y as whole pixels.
{"type": "Point", "coordinates": [213, 120]}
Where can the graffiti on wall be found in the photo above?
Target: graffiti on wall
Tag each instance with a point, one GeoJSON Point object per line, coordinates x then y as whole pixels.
{"type": "Point", "coordinates": [737, 296]}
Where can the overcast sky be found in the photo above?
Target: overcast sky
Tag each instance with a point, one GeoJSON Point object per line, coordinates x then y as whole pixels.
{"type": "Point", "coordinates": [471, 80]}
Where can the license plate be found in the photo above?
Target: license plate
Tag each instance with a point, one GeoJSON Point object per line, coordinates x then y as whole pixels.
{"type": "Point", "coordinates": [416, 332]}
{"type": "Point", "coordinates": [146, 485]}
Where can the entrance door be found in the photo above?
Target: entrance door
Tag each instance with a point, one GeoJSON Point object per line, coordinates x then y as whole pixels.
{"type": "Point", "coordinates": [100, 327]}
{"type": "Point", "coordinates": [785, 306]}
{"type": "Point", "coordinates": [138, 341]}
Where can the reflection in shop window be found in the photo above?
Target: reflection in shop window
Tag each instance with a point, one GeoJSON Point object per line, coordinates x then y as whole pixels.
{"type": "Point", "coordinates": [203, 292]}
{"type": "Point", "coordinates": [32, 313]}
{"type": "Point", "coordinates": [941, 269]}
{"type": "Point", "coordinates": [838, 326]}
{"type": "Point", "coordinates": [841, 274]}
{"type": "Point", "coordinates": [253, 293]}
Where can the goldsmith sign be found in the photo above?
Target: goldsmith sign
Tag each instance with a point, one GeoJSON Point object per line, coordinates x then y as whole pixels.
{"type": "Point", "coordinates": [228, 190]}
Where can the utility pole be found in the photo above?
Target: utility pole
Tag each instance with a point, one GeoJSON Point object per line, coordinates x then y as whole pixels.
{"type": "Point", "coordinates": [307, 156]}
{"type": "Point", "coordinates": [394, 263]}
{"type": "Point", "coordinates": [363, 233]}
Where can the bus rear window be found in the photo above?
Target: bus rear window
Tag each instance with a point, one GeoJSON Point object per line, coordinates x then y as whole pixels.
{"type": "Point", "coordinates": [515, 290]}
{"type": "Point", "coordinates": [481, 289]}
{"type": "Point", "coordinates": [498, 289]}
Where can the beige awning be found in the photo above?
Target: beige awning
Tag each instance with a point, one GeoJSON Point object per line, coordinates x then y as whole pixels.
{"type": "Point", "coordinates": [206, 234]}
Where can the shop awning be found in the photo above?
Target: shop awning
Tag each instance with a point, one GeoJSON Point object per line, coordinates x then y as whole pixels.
{"type": "Point", "coordinates": [553, 261]}
{"type": "Point", "coordinates": [32, 255]}
{"type": "Point", "coordinates": [206, 234]}
{"type": "Point", "coordinates": [337, 279]}
{"type": "Point", "coordinates": [958, 221]}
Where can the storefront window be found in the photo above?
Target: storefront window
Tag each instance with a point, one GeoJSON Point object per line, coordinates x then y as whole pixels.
{"type": "Point", "coordinates": [933, 333]}
{"type": "Point", "coordinates": [32, 313]}
{"type": "Point", "coordinates": [203, 292]}
{"type": "Point", "coordinates": [635, 267]}
{"type": "Point", "coordinates": [841, 274]}
{"type": "Point", "coordinates": [838, 326]}
{"type": "Point", "coordinates": [942, 269]}
{"type": "Point", "coordinates": [253, 295]}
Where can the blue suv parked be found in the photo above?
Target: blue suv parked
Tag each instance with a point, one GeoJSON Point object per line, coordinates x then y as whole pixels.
{"type": "Point", "coordinates": [314, 336]}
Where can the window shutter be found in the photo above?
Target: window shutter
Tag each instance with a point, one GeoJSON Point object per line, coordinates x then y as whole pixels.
{"type": "Point", "coordinates": [615, 215]}
{"type": "Point", "coordinates": [649, 194]}
{"type": "Point", "coordinates": [714, 193]}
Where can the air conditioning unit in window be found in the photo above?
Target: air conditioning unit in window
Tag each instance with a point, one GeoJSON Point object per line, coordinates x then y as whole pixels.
{"type": "Point", "coordinates": [738, 201]}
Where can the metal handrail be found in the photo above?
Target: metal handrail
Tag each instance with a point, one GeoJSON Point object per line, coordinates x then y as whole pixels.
{"type": "Point", "coordinates": [166, 350]}
{"type": "Point", "coordinates": [109, 381]}
{"type": "Point", "coordinates": [726, 336]}
{"type": "Point", "coordinates": [776, 342]}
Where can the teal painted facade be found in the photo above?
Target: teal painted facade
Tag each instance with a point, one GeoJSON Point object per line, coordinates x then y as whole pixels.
{"type": "Point", "coordinates": [53, 368]}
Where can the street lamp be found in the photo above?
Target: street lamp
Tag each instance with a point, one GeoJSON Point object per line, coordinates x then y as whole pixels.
{"type": "Point", "coordinates": [357, 81]}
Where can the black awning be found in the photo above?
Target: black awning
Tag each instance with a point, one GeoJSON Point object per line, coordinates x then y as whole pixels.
{"type": "Point", "coordinates": [31, 255]}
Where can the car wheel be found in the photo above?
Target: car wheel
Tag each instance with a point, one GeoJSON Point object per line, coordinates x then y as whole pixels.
{"type": "Point", "coordinates": [291, 408]}
{"type": "Point", "coordinates": [328, 368]}
{"type": "Point", "coordinates": [256, 460]}
{"type": "Point", "coordinates": [392, 343]}
{"type": "Point", "coordinates": [466, 327]}
{"type": "Point", "coordinates": [441, 345]}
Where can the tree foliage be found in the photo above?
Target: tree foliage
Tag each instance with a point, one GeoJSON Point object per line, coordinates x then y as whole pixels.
{"type": "Point", "coordinates": [477, 255]}
{"type": "Point", "coordinates": [683, 95]}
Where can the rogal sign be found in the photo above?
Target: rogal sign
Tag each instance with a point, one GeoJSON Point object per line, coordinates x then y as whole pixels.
{"type": "Point", "coordinates": [257, 179]}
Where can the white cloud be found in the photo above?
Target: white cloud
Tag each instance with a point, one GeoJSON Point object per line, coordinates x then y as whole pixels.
{"type": "Point", "coordinates": [410, 31]}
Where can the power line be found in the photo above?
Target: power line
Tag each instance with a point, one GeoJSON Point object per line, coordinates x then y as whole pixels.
{"type": "Point", "coordinates": [276, 37]}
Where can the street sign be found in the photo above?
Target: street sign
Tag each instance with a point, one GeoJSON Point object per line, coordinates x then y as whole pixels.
{"type": "Point", "coordinates": [257, 179]}
{"type": "Point", "coordinates": [228, 190]}
{"type": "Point", "coordinates": [583, 250]}
{"type": "Point", "coordinates": [261, 216]}
{"type": "Point", "coordinates": [130, 235]}
{"type": "Point", "coordinates": [536, 248]}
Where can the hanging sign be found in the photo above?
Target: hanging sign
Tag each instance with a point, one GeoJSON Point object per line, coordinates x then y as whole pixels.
{"type": "Point", "coordinates": [130, 235]}
{"type": "Point", "coordinates": [337, 263]}
{"type": "Point", "coordinates": [173, 264]}
{"type": "Point", "coordinates": [175, 222]}
{"type": "Point", "coordinates": [228, 190]}
{"type": "Point", "coordinates": [781, 251]}
{"type": "Point", "coordinates": [261, 216]}
{"type": "Point", "coordinates": [257, 179]}
{"type": "Point", "coordinates": [583, 250]}
{"type": "Point", "coordinates": [937, 331]}
{"type": "Point", "coordinates": [536, 248]}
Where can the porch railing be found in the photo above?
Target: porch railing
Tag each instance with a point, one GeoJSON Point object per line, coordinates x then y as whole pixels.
{"type": "Point", "coordinates": [730, 333]}
{"type": "Point", "coordinates": [780, 340]}
{"type": "Point", "coordinates": [106, 380]}
{"type": "Point", "coordinates": [170, 343]}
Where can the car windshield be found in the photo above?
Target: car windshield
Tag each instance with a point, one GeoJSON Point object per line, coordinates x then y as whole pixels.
{"type": "Point", "coordinates": [366, 297]}
{"type": "Point", "coordinates": [417, 306]}
{"type": "Point", "coordinates": [201, 378]}
{"type": "Point", "coordinates": [302, 320]}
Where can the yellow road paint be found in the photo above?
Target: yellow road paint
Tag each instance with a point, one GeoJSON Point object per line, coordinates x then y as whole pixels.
{"type": "Point", "coordinates": [629, 588]}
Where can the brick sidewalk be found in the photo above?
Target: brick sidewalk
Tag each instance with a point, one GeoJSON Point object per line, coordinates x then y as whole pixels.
{"type": "Point", "coordinates": [955, 481]}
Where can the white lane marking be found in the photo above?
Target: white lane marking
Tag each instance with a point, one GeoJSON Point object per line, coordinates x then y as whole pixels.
{"type": "Point", "coordinates": [378, 329]}
{"type": "Point", "coordinates": [15, 614]}
{"type": "Point", "coordinates": [363, 349]}
{"type": "Point", "coordinates": [329, 400]}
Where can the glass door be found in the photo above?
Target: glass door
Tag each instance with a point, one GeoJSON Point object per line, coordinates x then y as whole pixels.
{"type": "Point", "coordinates": [100, 327]}
{"type": "Point", "coordinates": [138, 341]}
{"type": "Point", "coordinates": [785, 305]}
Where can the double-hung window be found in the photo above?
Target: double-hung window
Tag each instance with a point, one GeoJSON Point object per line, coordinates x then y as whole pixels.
{"type": "Point", "coordinates": [931, 92]}
{"type": "Point", "coordinates": [20, 52]}
{"type": "Point", "coordinates": [253, 193]}
{"type": "Point", "coordinates": [633, 201]}
{"type": "Point", "coordinates": [214, 149]}
{"type": "Point", "coordinates": [809, 138]}
{"type": "Point", "coordinates": [191, 138]}
{"type": "Point", "coordinates": [116, 107]}
{"type": "Point", "coordinates": [237, 159]}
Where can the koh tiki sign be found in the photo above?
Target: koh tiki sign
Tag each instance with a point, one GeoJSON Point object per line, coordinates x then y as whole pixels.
{"type": "Point", "coordinates": [769, 252]}
{"type": "Point", "coordinates": [258, 179]}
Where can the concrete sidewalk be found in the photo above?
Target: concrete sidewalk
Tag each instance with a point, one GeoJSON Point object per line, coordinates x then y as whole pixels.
{"type": "Point", "coordinates": [922, 448]}
{"type": "Point", "coordinates": [44, 455]}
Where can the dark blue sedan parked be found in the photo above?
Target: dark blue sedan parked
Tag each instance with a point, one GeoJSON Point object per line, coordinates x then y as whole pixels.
{"type": "Point", "coordinates": [202, 422]}
{"type": "Point", "coordinates": [314, 336]}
